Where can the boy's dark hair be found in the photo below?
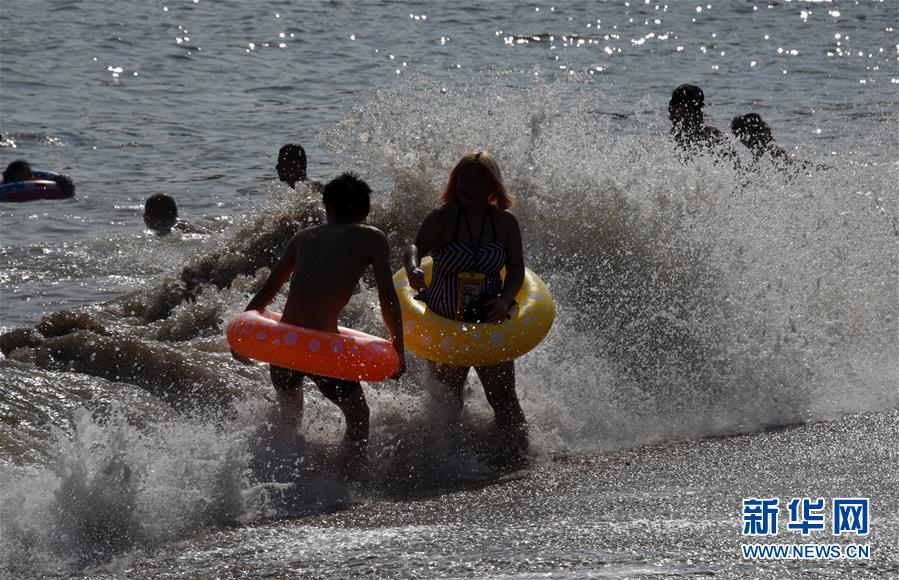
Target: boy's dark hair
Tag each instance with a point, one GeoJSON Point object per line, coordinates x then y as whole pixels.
{"type": "Point", "coordinates": [161, 205]}
{"type": "Point", "coordinates": [348, 197]}
{"type": "Point", "coordinates": [293, 152]}
{"type": "Point", "coordinates": [687, 95]}
{"type": "Point", "coordinates": [751, 129]}
{"type": "Point", "coordinates": [686, 102]}
{"type": "Point", "coordinates": [748, 123]}
{"type": "Point", "coordinates": [18, 170]}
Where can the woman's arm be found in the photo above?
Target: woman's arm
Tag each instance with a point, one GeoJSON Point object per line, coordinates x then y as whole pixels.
{"type": "Point", "coordinates": [498, 308]}
{"type": "Point", "coordinates": [429, 237]}
{"type": "Point", "coordinates": [514, 262]}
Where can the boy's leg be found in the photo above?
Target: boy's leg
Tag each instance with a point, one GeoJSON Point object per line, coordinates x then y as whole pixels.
{"type": "Point", "coordinates": [499, 387]}
{"type": "Point", "coordinates": [288, 385]}
{"type": "Point", "coordinates": [348, 396]}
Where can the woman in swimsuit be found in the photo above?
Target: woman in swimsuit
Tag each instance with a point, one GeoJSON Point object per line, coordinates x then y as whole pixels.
{"type": "Point", "coordinates": [471, 237]}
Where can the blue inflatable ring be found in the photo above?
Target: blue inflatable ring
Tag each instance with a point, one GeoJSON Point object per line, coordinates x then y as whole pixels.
{"type": "Point", "coordinates": [41, 187]}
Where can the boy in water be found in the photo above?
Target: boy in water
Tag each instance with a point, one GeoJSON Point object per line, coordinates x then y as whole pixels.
{"type": "Point", "coordinates": [688, 127]}
{"type": "Point", "coordinates": [161, 216]}
{"type": "Point", "coordinates": [756, 135]}
{"type": "Point", "coordinates": [291, 167]}
{"type": "Point", "coordinates": [325, 263]}
{"type": "Point", "coordinates": [20, 170]}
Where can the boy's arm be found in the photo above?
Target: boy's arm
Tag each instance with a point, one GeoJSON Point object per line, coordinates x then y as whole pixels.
{"type": "Point", "coordinates": [390, 304]}
{"type": "Point", "coordinates": [279, 274]}
{"type": "Point", "coordinates": [189, 228]}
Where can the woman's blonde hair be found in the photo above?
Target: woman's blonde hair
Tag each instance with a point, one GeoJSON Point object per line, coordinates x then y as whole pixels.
{"type": "Point", "coordinates": [500, 196]}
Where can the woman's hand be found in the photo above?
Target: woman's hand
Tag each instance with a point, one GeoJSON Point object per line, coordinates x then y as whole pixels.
{"type": "Point", "coordinates": [497, 310]}
{"type": "Point", "coordinates": [416, 278]}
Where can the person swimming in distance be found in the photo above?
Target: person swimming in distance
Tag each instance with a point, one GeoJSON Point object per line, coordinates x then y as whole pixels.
{"type": "Point", "coordinates": [291, 167]}
{"type": "Point", "coordinates": [756, 135]}
{"type": "Point", "coordinates": [324, 264]}
{"type": "Point", "coordinates": [688, 128]}
{"type": "Point", "coordinates": [20, 170]}
{"type": "Point", "coordinates": [161, 216]}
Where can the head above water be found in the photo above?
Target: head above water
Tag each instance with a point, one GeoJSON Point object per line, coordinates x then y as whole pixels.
{"type": "Point", "coordinates": [686, 104]}
{"type": "Point", "coordinates": [478, 169]}
{"type": "Point", "coordinates": [751, 130]}
{"type": "Point", "coordinates": [160, 213]}
{"type": "Point", "coordinates": [291, 163]}
{"type": "Point", "coordinates": [347, 198]}
{"type": "Point", "coordinates": [19, 170]}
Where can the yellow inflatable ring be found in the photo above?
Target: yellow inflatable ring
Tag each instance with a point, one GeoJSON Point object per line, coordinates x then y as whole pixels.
{"type": "Point", "coordinates": [473, 344]}
{"type": "Point", "coordinates": [350, 355]}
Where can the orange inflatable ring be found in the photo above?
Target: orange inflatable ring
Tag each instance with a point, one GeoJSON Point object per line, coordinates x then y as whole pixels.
{"type": "Point", "coordinates": [349, 354]}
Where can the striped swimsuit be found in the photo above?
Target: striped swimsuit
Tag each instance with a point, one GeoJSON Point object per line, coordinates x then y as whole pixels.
{"type": "Point", "coordinates": [456, 257]}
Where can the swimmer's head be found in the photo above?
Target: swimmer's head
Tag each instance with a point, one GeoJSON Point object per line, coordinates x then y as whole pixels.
{"type": "Point", "coordinates": [291, 163]}
{"type": "Point", "coordinates": [751, 130]}
{"type": "Point", "coordinates": [161, 213]}
{"type": "Point", "coordinates": [18, 170]}
{"type": "Point", "coordinates": [686, 103]}
{"type": "Point", "coordinates": [483, 164]}
{"type": "Point", "coordinates": [347, 198]}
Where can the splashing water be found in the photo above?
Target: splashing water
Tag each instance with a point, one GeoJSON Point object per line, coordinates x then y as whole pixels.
{"type": "Point", "coordinates": [693, 299]}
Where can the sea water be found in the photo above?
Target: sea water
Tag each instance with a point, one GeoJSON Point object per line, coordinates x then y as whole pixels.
{"type": "Point", "coordinates": [699, 306]}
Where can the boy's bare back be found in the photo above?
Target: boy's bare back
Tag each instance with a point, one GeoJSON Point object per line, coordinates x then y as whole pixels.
{"type": "Point", "coordinates": [326, 263]}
